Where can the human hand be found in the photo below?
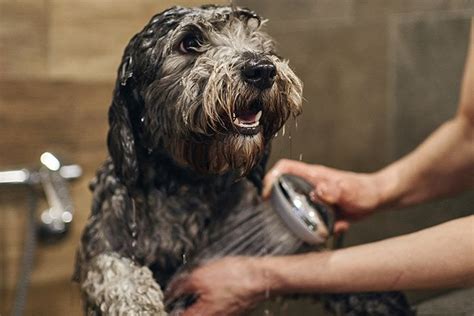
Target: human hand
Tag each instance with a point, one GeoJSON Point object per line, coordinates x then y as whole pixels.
{"type": "Point", "coordinates": [227, 286]}
{"type": "Point", "coordinates": [355, 195]}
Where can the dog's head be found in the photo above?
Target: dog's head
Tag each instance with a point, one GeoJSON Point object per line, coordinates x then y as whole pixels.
{"type": "Point", "coordinates": [203, 86]}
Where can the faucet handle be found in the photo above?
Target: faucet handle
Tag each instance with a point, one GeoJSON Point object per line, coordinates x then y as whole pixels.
{"type": "Point", "coordinates": [56, 219]}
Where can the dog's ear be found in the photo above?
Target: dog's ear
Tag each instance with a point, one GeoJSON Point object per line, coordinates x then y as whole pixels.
{"type": "Point", "coordinates": [120, 139]}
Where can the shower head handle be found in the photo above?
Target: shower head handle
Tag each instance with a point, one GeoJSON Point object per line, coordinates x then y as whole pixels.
{"type": "Point", "coordinates": [312, 221]}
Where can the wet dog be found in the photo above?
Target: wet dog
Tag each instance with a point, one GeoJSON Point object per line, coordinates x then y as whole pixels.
{"type": "Point", "coordinates": [199, 95]}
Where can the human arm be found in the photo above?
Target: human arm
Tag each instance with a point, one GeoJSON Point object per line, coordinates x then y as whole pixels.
{"type": "Point", "coordinates": [437, 257]}
{"type": "Point", "coordinates": [442, 165]}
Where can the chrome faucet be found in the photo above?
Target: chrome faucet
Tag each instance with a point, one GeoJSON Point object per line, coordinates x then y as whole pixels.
{"type": "Point", "coordinates": [52, 176]}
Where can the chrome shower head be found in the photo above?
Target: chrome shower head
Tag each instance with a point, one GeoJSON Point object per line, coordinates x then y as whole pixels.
{"type": "Point", "coordinates": [311, 221]}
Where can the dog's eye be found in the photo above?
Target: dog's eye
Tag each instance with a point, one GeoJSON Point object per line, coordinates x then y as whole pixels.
{"type": "Point", "coordinates": [254, 23]}
{"type": "Point", "coordinates": [190, 43]}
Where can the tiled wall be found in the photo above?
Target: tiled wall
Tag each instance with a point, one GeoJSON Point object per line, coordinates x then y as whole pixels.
{"type": "Point", "coordinates": [379, 76]}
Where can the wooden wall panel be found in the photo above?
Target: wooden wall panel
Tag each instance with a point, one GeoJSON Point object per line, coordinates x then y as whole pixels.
{"type": "Point", "coordinates": [58, 61]}
{"type": "Point", "coordinates": [88, 37]}
{"type": "Point", "coordinates": [23, 38]}
{"type": "Point", "coordinates": [62, 117]}
{"type": "Point", "coordinates": [68, 118]}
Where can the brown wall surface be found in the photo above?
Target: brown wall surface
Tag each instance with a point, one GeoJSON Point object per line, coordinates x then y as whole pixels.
{"type": "Point", "coordinates": [379, 77]}
{"type": "Point", "coordinates": [58, 61]}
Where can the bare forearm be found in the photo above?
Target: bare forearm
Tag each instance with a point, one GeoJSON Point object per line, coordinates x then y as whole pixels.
{"type": "Point", "coordinates": [442, 165]}
{"type": "Point", "coordinates": [441, 256]}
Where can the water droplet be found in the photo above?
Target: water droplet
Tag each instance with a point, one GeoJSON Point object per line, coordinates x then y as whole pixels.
{"type": "Point", "coordinates": [150, 31]}
{"type": "Point", "coordinates": [184, 258]}
{"type": "Point", "coordinates": [276, 134]}
{"type": "Point", "coordinates": [301, 157]}
{"type": "Point", "coordinates": [296, 123]}
{"type": "Point", "coordinates": [133, 228]}
{"type": "Point", "coordinates": [147, 44]}
{"type": "Point", "coordinates": [283, 130]}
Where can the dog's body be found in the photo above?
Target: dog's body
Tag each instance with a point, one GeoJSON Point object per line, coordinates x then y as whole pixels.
{"type": "Point", "coordinates": [200, 94]}
{"type": "Point", "coordinates": [160, 228]}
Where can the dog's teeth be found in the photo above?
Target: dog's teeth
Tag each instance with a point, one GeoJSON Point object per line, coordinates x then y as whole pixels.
{"type": "Point", "coordinates": [247, 124]}
{"type": "Point", "coordinates": [241, 124]}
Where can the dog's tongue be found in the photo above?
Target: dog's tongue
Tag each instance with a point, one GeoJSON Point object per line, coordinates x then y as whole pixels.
{"type": "Point", "coordinates": [247, 117]}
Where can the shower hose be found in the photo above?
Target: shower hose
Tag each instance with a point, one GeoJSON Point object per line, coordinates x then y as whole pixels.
{"type": "Point", "coordinates": [21, 291]}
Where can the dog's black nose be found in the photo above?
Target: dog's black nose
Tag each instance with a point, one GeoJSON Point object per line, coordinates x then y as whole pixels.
{"type": "Point", "coordinates": [260, 73]}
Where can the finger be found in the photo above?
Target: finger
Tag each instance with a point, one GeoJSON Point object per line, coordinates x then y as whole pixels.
{"type": "Point", "coordinates": [179, 286]}
{"type": "Point", "coordinates": [341, 227]}
{"type": "Point", "coordinates": [297, 168]}
{"type": "Point", "coordinates": [328, 192]}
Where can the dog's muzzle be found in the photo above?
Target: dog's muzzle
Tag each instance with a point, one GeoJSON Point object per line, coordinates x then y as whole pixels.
{"type": "Point", "coordinates": [258, 72]}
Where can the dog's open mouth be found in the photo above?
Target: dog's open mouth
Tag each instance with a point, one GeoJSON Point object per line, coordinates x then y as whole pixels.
{"type": "Point", "coordinates": [247, 121]}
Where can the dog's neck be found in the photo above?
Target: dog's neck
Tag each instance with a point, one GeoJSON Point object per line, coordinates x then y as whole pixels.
{"type": "Point", "coordinates": [160, 171]}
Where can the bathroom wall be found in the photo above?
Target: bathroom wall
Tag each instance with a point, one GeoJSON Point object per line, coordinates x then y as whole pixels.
{"type": "Point", "coordinates": [379, 77]}
{"type": "Point", "coordinates": [58, 61]}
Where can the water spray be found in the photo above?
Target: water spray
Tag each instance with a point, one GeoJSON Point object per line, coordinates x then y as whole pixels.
{"type": "Point", "coordinates": [291, 222]}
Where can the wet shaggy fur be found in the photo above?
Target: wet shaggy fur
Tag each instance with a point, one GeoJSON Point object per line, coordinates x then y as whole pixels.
{"type": "Point", "coordinates": [178, 164]}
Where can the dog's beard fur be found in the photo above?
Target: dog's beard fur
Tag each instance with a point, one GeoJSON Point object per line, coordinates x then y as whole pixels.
{"type": "Point", "coordinates": [196, 96]}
